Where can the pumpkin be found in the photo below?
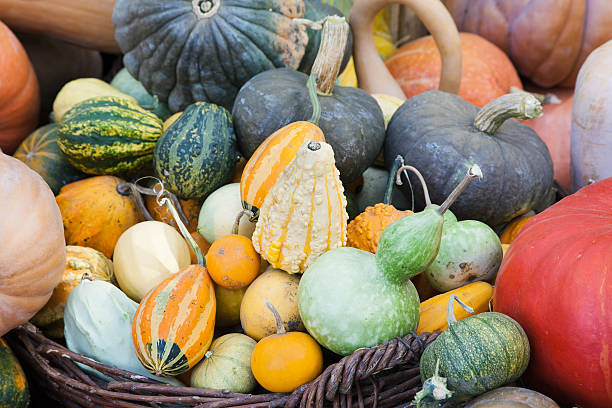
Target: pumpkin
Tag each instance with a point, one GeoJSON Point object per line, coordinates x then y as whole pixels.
{"type": "Point", "coordinates": [79, 261]}
{"type": "Point", "coordinates": [41, 153]}
{"type": "Point", "coordinates": [270, 160]}
{"type": "Point", "coordinates": [218, 214]}
{"type": "Point", "coordinates": [20, 101]}
{"type": "Point", "coordinates": [190, 208]}
{"type": "Point", "coordinates": [513, 228]}
{"type": "Point", "coordinates": [196, 155]}
{"type": "Point", "coordinates": [81, 89]}
{"type": "Point", "coordinates": [554, 128]}
{"type": "Point", "coordinates": [591, 132]}
{"type": "Point", "coordinates": [13, 385]}
{"type": "Point", "coordinates": [350, 119]}
{"type": "Point", "coordinates": [474, 355]}
{"type": "Point", "coordinates": [279, 288]}
{"type": "Point", "coordinates": [272, 41]}
{"type": "Point", "coordinates": [109, 135]}
{"type": "Point", "coordinates": [550, 50]}
{"type": "Point", "coordinates": [571, 242]}
{"type": "Point", "coordinates": [486, 73]}
{"type": "Point", "coordinates": [518, 173]}
{"type": "Point", "coordinates": [228, 306]}
{"type": "Point", "coordinates": [127, 84]}
{"type": "Point", "coordinates": [95, 214]}
{"type": "Point", "coordinates": [87, 23]}
{"type": "Point", "coordinates": [372, 74]}
{"type": "Point", "coordinates": [146, 254]}
{"type": "Point", "coordinates": [232, 261]}
{"type": "Point", "coordinates": [477, 295]}
{"type": "Point", "coordinates": [310, 190]}
{"type": "Point", "coordinates": [226, 365]}
{"type": "Point", "coordinates": [32, 253]}
{"type": "Point", "coordinates": [283, 361]}
{"type": "Point", "coordinates": [375, 180]}
{"type": "Point", "coordinates": [512, 397]}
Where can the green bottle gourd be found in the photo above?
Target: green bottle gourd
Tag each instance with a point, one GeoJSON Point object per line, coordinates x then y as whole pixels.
{"type": "Point", "coordinates": [349, 298]}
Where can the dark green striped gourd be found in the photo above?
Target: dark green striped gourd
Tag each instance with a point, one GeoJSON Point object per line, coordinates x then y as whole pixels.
{"type": "Point", "coordinates": [477, 354]}
{"type": "Point", "coordinates": [196, 155]}
{"type": "Point", "coordinates": [109, 135]}
{"type": "Point", "coordinates": [42, 154]}
{"type": "Point", "coordinates": [13, 385]}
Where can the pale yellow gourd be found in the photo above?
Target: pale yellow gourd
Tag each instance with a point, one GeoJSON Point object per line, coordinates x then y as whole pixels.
{"type": "Point", "coordinates": [304, 214]}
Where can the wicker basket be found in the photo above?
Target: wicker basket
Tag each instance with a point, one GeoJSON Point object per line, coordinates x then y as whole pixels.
{"type": "Point", "coordinates": [383, 376]}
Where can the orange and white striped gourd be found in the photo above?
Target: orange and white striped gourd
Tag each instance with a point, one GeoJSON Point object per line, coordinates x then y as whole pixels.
{"type": "Point", "coordinates": [304, 214]}
{"type": "Point", "coordinates": [270, 159]}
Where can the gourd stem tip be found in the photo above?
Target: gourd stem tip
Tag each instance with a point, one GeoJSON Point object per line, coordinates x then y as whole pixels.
{"type": "Point", "coordinates": [473, 172]}
{"type": "Point", "coordinates": [280, 327]}
{"type": "Point", "coordinates": [450, 310]}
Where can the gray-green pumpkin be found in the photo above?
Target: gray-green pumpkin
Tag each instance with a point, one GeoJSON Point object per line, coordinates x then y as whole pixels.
{"type": "Point", "coordinates": [196, 155]}
{"type": "Point", "coordinates": [127, 84]}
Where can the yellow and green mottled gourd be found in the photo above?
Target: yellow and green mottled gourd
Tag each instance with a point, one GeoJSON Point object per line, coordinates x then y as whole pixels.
{"type": "Point", "coordinates": [109, 135]}
{"type": "Point", "coordinates": [13, 385]}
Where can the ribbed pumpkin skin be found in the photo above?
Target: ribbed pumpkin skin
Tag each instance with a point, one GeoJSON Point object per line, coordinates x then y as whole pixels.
{"type": "Point", "coordinates": [108, 135]}
{"type": "Point", "coordinates": [197, 153]}
{"type": "Point", "coordinates": [42, 154]}
{"type": "Point", "coordinates": [174, 323]}
{"type": "Point", "coordinates": [183, 55]}
{"type": "Point", "coordinates": [364, 231]}
{"type": "Point", "coordinates": [478, 354]}
{"type": "Point", "coordinates": [270, 160]}
{"type": "Point", "coordinates": [13, 384]}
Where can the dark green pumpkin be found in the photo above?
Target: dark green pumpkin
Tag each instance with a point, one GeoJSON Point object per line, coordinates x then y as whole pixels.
{"type": "Point", "coordinates": [196, 155]}
{"type": "Point", "coordinates": [435, 132]}
{"type": "Point", "coordinates": [351, 119]}
{"type": "Point", "coordinates": [41, 153]}
{"type": "Point", "coordinates": [129, 85]}
{"type": "Point", "coordinates": [478, 354]}
{"type": "Point", "coordinates": [185, 51]}
{"type": "Point", "coordinates": [13, 384]}
{"type": "Point", "coordinates": [109, 135]}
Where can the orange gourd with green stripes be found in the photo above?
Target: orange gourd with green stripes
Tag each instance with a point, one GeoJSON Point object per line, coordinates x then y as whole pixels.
{"type": "Point", "coordinates": [270, 160]}
{"type": "Point", "coordinates": [174, 323]}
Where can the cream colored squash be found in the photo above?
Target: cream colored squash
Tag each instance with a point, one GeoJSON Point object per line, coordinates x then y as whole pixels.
{"type": "Point", "coordinates": [388, 104]}
{"type": "Point", "coordinates": [146, 254]}
{"type": "Point", "coordinates": [304, 214]}
{"type": "Point", "coordinates": [81, 89]}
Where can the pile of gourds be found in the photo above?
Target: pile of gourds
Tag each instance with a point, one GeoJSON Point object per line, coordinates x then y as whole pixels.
{"type": "Point", "coordinates": [221, 211]}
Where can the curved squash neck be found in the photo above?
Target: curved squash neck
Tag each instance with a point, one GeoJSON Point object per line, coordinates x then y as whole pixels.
{"type": "Point", "coordinates": [326, 66]}
{"type": "Point", "coordinates": [520, 105]}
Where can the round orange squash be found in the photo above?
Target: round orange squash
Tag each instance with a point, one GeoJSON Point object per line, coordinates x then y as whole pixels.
{"type": "Point", "coordinates": [19, 94]}
{"type": "Point", "coordinates": [232, 261]}
{"type": "Point", "coordinates": [486, 74]}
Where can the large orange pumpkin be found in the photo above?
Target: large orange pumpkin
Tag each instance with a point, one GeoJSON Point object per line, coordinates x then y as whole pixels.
{"type": "Point", "coordinates": [486, 74]}
{"type": "Point", "coordinates": [19, 95]}
{"type": "Point", "coordinates": [32, 249]}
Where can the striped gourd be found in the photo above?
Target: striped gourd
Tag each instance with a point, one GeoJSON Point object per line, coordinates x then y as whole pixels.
{"type": "Point", "coordinates": [42, 154]}
{"type": "Point", "coordinates": [197, 153]}
{"type": "Point", "coordinates": [109, 135]}
{"type": "Point", "coordinates": [174, 323]}
{"type": "Point", "coordinates": [304, 214]}
{"type": "Point", "coordinates": [13, 384]}
{"type": "Point", "coordinates": [270, 159]}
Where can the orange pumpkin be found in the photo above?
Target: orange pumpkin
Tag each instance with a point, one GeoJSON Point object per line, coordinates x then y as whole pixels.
{"type": "Point", "coordinates": [19, 94]}
{"type": "Point", "coordinates": [364, 231]}
{"type": "Point", "coordinates": [487, 72]}
{"type": "Point", "coordinates": [270, 159]}
{"type": "Point", "coordinates": [232, 261]}
{"type": "Point", "coordinates": [32, 249]}
{"type": "Point", "coordinates": [190, 208]}
{"type": "Point", "coordinates": [513, 228]}
{"type": "Point", "coordinates": [95, 214]}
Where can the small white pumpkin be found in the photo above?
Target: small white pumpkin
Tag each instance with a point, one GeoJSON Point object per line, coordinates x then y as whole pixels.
{"type": "Point", "coordinates": [146, 254]}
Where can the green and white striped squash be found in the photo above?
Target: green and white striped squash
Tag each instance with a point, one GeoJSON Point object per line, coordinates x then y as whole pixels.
{"type": "Point", "coordinates": [196, 155]}
{"type": "Point", "coordinates": [227, 365]}
{"type": "Point", "coordinates": [107, 135]}
{"type": "Point", "coordinates": [42, 154]}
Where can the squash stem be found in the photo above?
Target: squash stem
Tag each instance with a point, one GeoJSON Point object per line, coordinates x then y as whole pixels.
{"type": "Point", "coordinates": [236, 226]}
{"type": "Point", "coordinates": [280, 327]}
{"type": "Point", "coordinates": [450, 309]}
{"type": "Point", "coordinates": [419, 176]}
{"type": "Point", "coordinates": [473, 172]}
{"type": "Point", "coordinates": [399, 162]}
{"type": "Point", "coordinates": [314, 99]}
{"type": "Point", "coordinates": [520, 105]}
{"type": "Point", "coordinates": [125, 189]}
{"type": "Point", "coordinates": [327, 64]}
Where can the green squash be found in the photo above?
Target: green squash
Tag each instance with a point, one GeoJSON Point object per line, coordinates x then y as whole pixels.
{"type": "Point", "coordinates": [474, 355]}
{"type": "Point", "coordinates": [442, 135]}
{"type": "Point", "coordinates": [127, 84]}
{"type": "Point", "coordinates": [197, 154]}
{"type": "Point", "coordinates": [13, 384]}
{"type": "Point", "coordinates": [107, 135]}
{"type": "Point", "coordinates": [226, 365]}
{"type": "Point", "coordinates": [185, 51]}
{"type": "Point", "coordinates": [42, 154]}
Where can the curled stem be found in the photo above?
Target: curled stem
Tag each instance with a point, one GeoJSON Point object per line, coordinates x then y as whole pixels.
{"type": "Point", "coordinates": [242, 212]}
{"type": "Point", "coordinates": [280, 327]}
{"type": "Point", "coordinates": [450, 309]}
{"type": "Point", "coordinates": [419, 176]}
{"type": "Point", "coordinates": [472, 173]}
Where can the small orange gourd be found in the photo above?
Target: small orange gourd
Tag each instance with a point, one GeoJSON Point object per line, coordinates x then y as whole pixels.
{"type": "Point", "coordinates": [284, 361]}
{"type": "Point", "coordinates": [433, 310]}
{"type": "Point", "coordinates": [513, 229]}
{"type": "Point", "coordinates": [232, 261]}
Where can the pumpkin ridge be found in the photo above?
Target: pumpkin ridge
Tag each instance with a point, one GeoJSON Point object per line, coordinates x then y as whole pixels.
{"type": "Point", "coordinates": [468, 358]}
{"type": "Point", "coordinates": [238, 29]}
{"type": "Point", "coordinates": [496, 334]}
{"type": "Point", "coordinates": [218, 33]}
